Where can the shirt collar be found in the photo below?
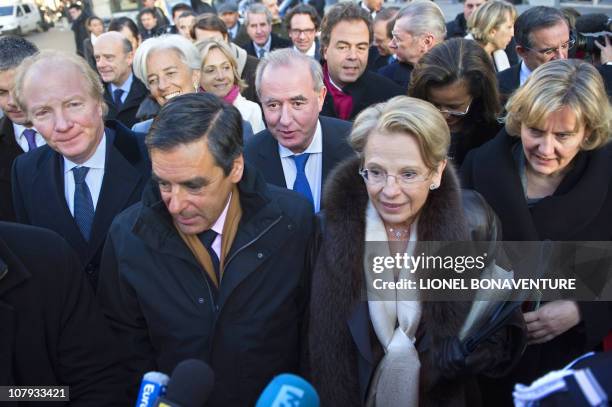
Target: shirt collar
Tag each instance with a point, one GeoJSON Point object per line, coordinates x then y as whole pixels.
{"type": "Point", "coordinates": [315, 147]}
{"type": "Point", "coordinates": [97, 160]}
{"type": "Point", "coordinates": [218, 226]}
{"type": "Point", "coordinates": [525, 72]}
{"type": "Point", "coordinates": [18, 129]}
{"type": "Point", "coordinates": [266, 46]}
{"type": "Point", "coordinates": [125, 87]}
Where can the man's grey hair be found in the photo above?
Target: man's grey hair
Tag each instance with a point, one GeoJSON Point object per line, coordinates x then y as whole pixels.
{"type": "Point", "coordinates": [257, 8]}
{"type": "Point", "coordinates": [422, 17]}
{"type": "Point", "coordinates": [533, 19]}
{"type": "Point", "coordinates": [290, 58]}
{"type": "Point", "coordinates": [13, 50]}
{"type": "Point", "coordinates": [185, 49]}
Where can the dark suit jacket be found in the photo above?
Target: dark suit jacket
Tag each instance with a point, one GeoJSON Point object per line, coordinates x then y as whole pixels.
{"type": "Point", "coordinates": [368, 89]}
{"type": "Point", "coordinates": [38, 177]}
{"type": "Point", "coordinates": [262, 150]}
{"type": "Point", "coordinates": [508, 81]}
{"type": "Point", "coordinates": [9, 150]}
{"type": "Point", "coordinates": [126, 114]}
{"type": "Point", "coordinates": [277, 42]}
{"type": "Point", "coordinates": [375, 60]}
{"type": "Point", "coordinates": [398, 72]}
{"type": "Point", "coordinates": [88, 53]}
{"type": "Point", "coordinates": [53, 332]}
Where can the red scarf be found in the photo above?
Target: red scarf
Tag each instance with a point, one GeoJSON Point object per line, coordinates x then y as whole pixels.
{"type": "Point", "coordinates": [343, 102]}
{"type": "Point", "coordinates": [231, 95]}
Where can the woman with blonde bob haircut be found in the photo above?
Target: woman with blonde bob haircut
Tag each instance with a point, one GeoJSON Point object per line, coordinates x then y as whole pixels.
{"type": "Point", "coordinates": [219, 76]}
{"type": "Point", "coordinates": [548, 175]}
{"type": "Point", "coordinates": [492, 26]}
{"type": "Point", "coordinates": [397, 192]}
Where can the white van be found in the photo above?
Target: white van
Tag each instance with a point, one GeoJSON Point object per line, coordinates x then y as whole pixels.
{"type": "Point", "coordinates": [18, 17]}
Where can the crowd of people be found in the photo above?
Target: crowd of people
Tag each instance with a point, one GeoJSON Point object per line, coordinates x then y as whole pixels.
{"type": "Point", "coordinates": [205, 185]}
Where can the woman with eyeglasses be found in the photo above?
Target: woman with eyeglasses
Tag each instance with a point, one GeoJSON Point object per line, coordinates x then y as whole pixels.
{"type": "Point", "coordinates": [456, 76]}
{"type": "Point", "coordinates": [397, 192]}
{"type": "Point", "coordinates": [492, 27]}
{"type": "Point", "coordinates": [548, 176]}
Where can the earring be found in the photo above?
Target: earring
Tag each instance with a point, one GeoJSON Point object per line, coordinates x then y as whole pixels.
{"type": "Point", "coordinates": [432, 187]}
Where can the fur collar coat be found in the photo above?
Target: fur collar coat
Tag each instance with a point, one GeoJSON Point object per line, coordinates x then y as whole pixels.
{"type": "Point", "coordinates": [343, 349]}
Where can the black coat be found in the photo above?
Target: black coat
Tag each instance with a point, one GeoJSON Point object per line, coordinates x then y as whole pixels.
{"type": "Point", "coordinates": [39, 177]}
{"type": "Point", "coordinates": [375, 60]}
{"type": "Point", "coordinates": [157, 298]}
{"type": "Point", "coordinates": [344, 350]}
{"type": "Point", "coordinates": [9, 150]}
{"type": "Point", "coordinates": [53, 332]}
{"type": "Point", "coordinates": [126, 114]}
{"type": "Point", "coordinates": [579, 210]}
{"type": "Point", "coordinates": [79, 28]}
{"type": "Point", "coordinates": [508, 81]}
{"type": "Point", "coordinates": [368, 89]}
{"type": "Point", "coordinates": [248, 76]}
{"type": "Point", "coordinates": [399, 73]}
{"type": "Point", "coordinates": [262, 150]}
{"type": "Point", "coordinates": [277, 42]}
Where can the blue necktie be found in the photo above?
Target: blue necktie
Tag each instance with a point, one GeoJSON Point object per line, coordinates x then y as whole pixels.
{"type": "Point", "coordinates": [83, 204]}
{"type": "Point", "coordinates": [207, 238]}
{"type": "Point", "coordinates": [117, 93]}
{"type": "Point", "coordinates": [262, 52]}
{"type": "Point", "coordinates": [30, 136]}
{"type": "Point", "coordinates": [301, 184]}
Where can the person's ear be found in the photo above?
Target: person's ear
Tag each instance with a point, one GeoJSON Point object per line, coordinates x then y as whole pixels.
{"type": "Point", "coordinates": [237, 169]}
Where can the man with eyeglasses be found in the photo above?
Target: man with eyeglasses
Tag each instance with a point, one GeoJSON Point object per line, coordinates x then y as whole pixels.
{"type": "Point", "coordinates": [418, 28]}
{"type": "Point", "coordinates": [302, 23]}
{"type": "Point", "coordinates": [542, 34]}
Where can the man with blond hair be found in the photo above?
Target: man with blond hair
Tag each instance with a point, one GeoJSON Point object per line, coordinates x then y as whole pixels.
{"type": "Point", "coordinates": [88, 172]}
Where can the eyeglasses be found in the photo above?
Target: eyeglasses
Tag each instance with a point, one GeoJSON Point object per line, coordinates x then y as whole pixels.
{"type": "Point", "coordinates": [378, 178]}
{"type": "Point", "coordinates": [549, 52]}
{"type": "Point", "coordinates": [457, 113]}
{"type": "Point", "coordinates": [308, 32]}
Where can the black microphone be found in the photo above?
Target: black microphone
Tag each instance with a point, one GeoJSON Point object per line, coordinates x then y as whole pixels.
{"type": "Point", "coordinates": [190, 385]}
{"type": "Point", "coordinates": [593, 23]}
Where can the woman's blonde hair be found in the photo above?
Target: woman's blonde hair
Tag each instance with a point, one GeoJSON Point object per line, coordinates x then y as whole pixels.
{"type": "Point", "coordinates": [487, 17]}
{"type": "Point", "coordinates": [409, 116]}
{"type": "Point", "coordinates": [205, 46]}
{"type": "Point", "coordinates": [563, 83]}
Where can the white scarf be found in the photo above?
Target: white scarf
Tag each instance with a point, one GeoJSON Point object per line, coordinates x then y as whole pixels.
{"type": "Point", "coordinates": [396, 379]}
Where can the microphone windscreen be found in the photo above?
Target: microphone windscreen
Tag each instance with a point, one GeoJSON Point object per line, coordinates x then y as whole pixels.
{"type": "Point", "coordinates": [592, 23]}
{"type": "Point", "coordinates": [190, 384]}
{"type": "Point", "coordinates": [153, 386]}
{"type": "Point", "coordinates": [288, 390]}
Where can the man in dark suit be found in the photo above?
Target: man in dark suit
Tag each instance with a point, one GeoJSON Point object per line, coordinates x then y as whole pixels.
{"type": "Point", "coordinates": [287, 5]}
{"type": "Point", "coordinates": [87, 173]}
{"type": "Point", "coordinates": [53, 332]}
{"type": "Point", "coordinates": [418, 28]}
{"type": "Point", "coordinates": [302, 23]}
{"type": "Point", "coordinates": [123, 92]}
{"type": "Point", "coordinates": [346, 35]}
{"type": "Point", "coordinates": [79, 26]}
{"type": "Point", "coordinates": [262, 40]}
{"type": "Point", "coordinates": [299, 148]}
{"type": "Point", "coordinates": [16, 133]}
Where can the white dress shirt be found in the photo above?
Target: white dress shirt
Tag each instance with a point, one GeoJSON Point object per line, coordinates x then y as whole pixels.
{"type": "Point", "coordinates": [314, 166]}
{"type": "Point", "coordinates": [21, 140]}
{"type": "Point", "coordinates": [94, 177]}
{"type": "Point", "coordinates": [524, 74]}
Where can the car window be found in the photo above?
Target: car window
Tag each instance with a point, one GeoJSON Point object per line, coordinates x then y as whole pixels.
{"type": "Point", "coordinates": [19, 11]}
{"type": "Point", "coordinates": [6, 11]}
{"type": "Point", "coordinates": [27, 8]}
